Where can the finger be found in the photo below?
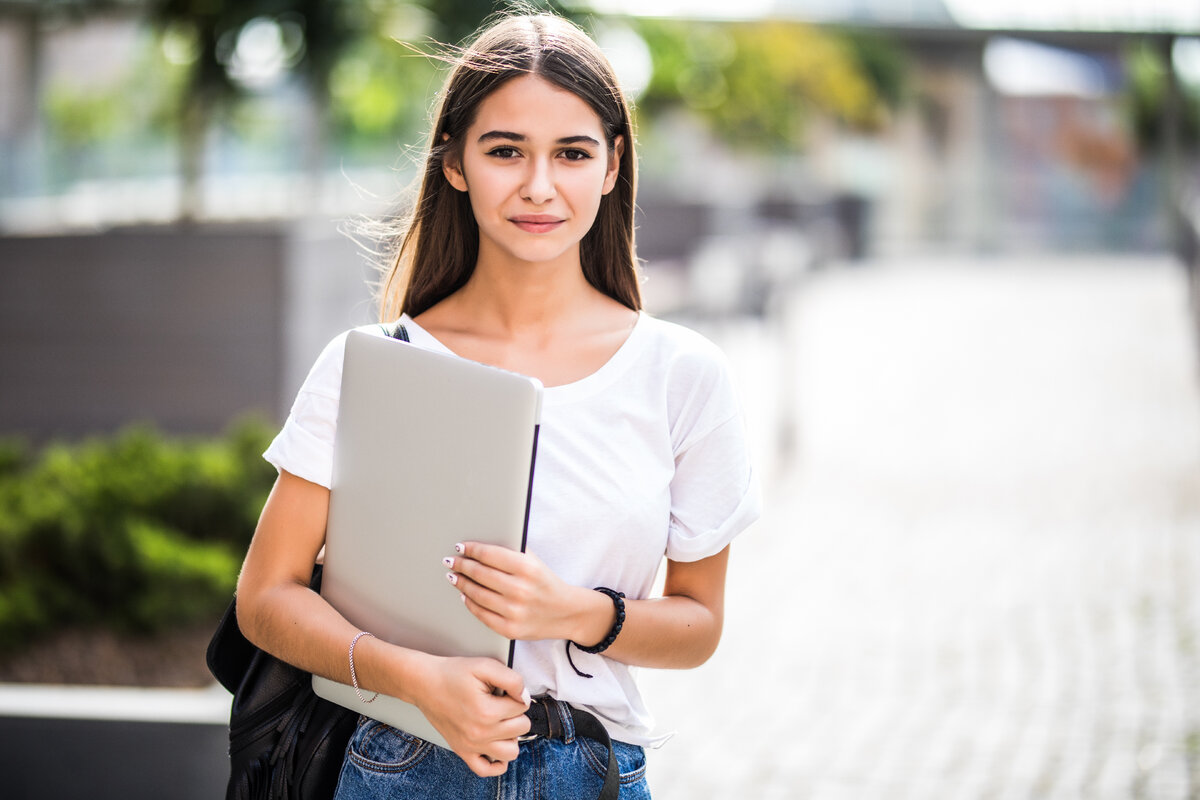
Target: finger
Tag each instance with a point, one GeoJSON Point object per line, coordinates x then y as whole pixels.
{"type": "Point", "coordinates": [490, 577]}
{"type": "Point", "coordinates": [498, 676]}
{"type": "Point", "coordinates": [514, 727]}
{"type": "Point", "coordinates": [521, 724]}
{"type": "Point", "coordinates": [503, 751]}
{"type": "Point", "coordinates": [460, 581]}
{"type": "Point", "coordinates": [485, 767]}
{"type": "Point", "coordinates": [489, 587]}
{"type": "Point", "coordinates": [493, 620]}
{"type": "Point", "coordinates": [492, 555]}
{"type": "Point", "coordinates": [480, 596]}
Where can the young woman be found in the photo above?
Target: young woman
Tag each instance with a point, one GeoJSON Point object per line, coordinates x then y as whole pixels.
{"type": "Point", "coordinates": [519, 254]}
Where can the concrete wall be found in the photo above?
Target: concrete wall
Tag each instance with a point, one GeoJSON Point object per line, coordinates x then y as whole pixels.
{"type": "Point", "coordinates": [187, 327]}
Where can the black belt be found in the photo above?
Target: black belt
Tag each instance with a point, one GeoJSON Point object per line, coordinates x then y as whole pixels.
{"type": "Point", "coordinates": [546, 722]}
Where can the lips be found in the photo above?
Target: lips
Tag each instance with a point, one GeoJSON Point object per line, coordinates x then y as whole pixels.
{"type": "Point", "coordinates": [536, 223]}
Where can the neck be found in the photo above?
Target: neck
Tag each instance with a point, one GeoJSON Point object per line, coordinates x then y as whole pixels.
{"type": "Point", "coordinates": [527, 298]}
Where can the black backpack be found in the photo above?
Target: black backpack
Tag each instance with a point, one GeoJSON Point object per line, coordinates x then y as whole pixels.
{"type": "Point", "coordinates": [285, 742]}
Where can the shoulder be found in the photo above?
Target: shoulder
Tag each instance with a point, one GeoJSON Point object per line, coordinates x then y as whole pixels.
{"type": "Point", "coordinates": [698, 387]}
{"type": "Point", "coordinates": [680, 348]}
{"type": "Point", "coordinates": [691, 373]}
{"type": "Point", "coordinates": [325, 376]}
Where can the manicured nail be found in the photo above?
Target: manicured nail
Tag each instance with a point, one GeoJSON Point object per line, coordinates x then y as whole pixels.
{"type": "Point", "coordinates": [448, 561]}
{"type": "Point", "coordinates": [458, 548]}
{"type": "Point", "coordinates": [526, 697]}
{"type": "Point", "coordinates": [450, 576]}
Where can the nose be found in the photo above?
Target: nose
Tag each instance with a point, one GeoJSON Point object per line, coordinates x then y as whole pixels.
{"type": "Point", "coordinates": [538, 186]}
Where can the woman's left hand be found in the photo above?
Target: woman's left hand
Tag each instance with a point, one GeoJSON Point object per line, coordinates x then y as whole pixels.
{"type": "Point", "coordinates": [517, 595]}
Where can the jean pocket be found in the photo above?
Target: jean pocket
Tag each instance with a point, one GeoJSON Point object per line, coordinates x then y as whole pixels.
{"type": "Point", "coordinates": [378, 747]}
{"type": "Point", "coordinates": [631, 760]}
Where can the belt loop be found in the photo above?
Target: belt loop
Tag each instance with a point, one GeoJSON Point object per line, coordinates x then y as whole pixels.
{"type": "Point", "coordinates": [565, 724]}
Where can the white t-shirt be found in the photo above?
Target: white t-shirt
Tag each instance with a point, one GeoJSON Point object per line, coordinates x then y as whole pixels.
{"type": "Point", "coordinates": [643, 458]}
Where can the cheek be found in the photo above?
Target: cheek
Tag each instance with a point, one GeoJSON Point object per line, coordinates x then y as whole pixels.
{"type": "Point", "coordinates": [588, 188]}
{"type": "Point", "coordinates": [484, 190]}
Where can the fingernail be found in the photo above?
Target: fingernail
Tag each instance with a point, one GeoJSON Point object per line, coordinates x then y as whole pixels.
{"type": "Point", "coordinates": [450, 576]}
{"type": "Point", "coordinates": [458, 548]}
{"type": "Point", "coordinates": [526, 697]}
{"type": "Point", "coordinates": [448, 561]}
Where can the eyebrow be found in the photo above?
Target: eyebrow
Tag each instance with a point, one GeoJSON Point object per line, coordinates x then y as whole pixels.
{"type": "Point", "coordinates": [518, 137]}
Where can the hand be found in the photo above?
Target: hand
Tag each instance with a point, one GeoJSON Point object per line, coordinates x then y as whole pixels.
{"type": "Point", "coordinates": [478, 705]}
{"type": "Point", "coordinates": [519, 597]}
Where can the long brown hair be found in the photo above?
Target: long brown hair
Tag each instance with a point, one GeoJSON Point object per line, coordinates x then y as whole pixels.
{"type": "Point", "coordinates": [440, 242]}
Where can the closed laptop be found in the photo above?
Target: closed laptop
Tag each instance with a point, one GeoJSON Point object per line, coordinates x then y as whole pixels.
{"type": "Point", "coordinates": [430, 450]}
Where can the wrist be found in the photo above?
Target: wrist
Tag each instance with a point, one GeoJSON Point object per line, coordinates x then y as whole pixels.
{"type": "Point", "coordinates": [593, 619]}
{"type": "Point", "coordinates": [618, 603]}
{"type": "Point", "coordinates": [395, 671]}
{"type": "Point", "coordinates": [421, 675]}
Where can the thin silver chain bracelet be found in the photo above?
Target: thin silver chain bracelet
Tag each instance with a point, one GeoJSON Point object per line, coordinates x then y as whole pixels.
{"type": "Point", "coordinates": [353, 674]}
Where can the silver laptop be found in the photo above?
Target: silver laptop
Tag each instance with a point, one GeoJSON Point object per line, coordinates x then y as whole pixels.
{"type": "Point", "coordinates": [430, 450]}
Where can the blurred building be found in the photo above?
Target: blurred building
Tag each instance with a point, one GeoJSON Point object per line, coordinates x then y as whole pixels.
{"type": "Point", "coordinates": [1016, 135]}
{"type": "Point", "coordinates": [981, 157]}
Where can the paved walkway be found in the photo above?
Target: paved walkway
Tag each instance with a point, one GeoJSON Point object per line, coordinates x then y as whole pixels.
{"type": "Point", "coordinates": [980, 576]}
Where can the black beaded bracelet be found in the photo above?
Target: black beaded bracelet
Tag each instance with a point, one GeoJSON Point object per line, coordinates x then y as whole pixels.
{"type": "Point", "coordinates": [618, 599]}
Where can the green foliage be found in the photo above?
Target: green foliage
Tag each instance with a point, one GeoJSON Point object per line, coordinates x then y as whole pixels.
{"type": "Point", "coordinates": [133, 532]}
{"type": "Point", "coordinates": [379, 92]}
{"type": "Point", "coordinates": [1146, 98]}
{"type": "Point", "coordinates": [757, 83]}
{"type": "Point", "coordinates": [82, 116]}
{"type": "Point", "coordinates": [14, 453]}
{"type": "Point", "coordinates": [381, 82]}
{"type": "Point", "coordinates": [113, 126]}
{"type": "Point", "coordinates": [883, 63]}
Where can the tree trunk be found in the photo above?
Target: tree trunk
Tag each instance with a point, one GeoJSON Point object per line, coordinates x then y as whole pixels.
{"type": "Point", "coordinates": [193, 129]}
{"type": "Point", "coordinates": [314, 141]}
{"type": "Point", "coordinates": [24, 173]}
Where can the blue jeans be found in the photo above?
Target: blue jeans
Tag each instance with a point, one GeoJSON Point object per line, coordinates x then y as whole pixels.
{"type": "Point", "coordinates": [382, 762]}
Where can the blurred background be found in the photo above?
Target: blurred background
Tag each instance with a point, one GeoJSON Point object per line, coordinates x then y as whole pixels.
{"type": "Point", "coordinates": [948, 245]}
{"type": "Point", "coordinates": [234, 141]}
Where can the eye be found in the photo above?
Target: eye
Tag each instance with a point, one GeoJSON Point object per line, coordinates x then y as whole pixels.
{"type": "Point", "coordinates": [504, 152]}
{"type": "Point", "coordinates": [575, 154]}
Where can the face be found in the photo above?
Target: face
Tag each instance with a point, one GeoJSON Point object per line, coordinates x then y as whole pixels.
{"type": "Point", "coordinates": [535, 164]}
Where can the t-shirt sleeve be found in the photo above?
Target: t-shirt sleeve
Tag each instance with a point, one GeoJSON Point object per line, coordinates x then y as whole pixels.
{"type": "Point", "coordinates": [304, 446]}
{"type": "Point", "coordinates": [714, 491]}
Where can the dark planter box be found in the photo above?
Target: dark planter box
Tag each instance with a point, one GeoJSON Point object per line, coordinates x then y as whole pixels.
{"type": "Point", "coordinates": [68, 742]}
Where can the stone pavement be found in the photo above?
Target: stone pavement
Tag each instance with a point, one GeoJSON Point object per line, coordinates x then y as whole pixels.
{"type": "Point", "coordinates": [979, 576]}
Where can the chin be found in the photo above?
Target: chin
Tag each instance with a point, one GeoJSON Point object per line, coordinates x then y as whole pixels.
{"type": "Point", "coordinates": [538, 255]}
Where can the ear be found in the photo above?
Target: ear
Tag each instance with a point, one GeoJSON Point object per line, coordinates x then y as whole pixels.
{"type": "Point", "coordinates": [614, 164]}
{"type": "Point", "coordinates": [452, 167]}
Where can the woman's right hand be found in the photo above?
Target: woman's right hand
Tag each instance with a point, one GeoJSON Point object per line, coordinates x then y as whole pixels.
{"type": "Point", "coordinates": [478, 705]}
{"type": "Point", "coordinates": [475, 703]}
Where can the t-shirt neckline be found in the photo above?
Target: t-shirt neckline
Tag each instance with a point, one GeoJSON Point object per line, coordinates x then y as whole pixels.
{"type": "Point", "coordinates": [583, 388]}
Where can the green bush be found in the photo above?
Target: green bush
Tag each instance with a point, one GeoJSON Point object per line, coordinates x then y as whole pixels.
{"type": "Point", "coordinates": [134, 532]}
